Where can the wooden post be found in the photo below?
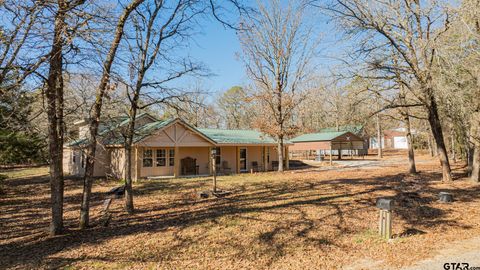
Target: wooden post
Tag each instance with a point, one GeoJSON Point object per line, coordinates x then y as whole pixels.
{"type": "Point", "coordinates": [388, 221]}
{"type": "Point", "coordinates": [330, 153]}
{"type": "Point", "coordinates": [381, 223]}
{"type": "Point", "coordinates": [351, 150]}
{"type": "Point", "coordinates": [176, 163]}
{"type": "Point", "coordinates": [385, 224]}
{"type": "Point", "coordinates": [238, 159]}
{"type": "Point", "coordinates": [340, 152]}
{"type": "Point", "coordinates": [210, 162]}
{"type": "Point", "coordinates": [287, 158]}
{"type": "Point", "coordinates": [265, 160]}
{"type": "Point", "coordinates": [214, 170]}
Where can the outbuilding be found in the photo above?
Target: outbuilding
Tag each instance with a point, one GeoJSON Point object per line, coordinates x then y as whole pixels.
{"type": "Point", "coordinates": [328, 144]}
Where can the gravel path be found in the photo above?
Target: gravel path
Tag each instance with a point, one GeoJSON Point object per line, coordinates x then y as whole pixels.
{"type": "Point", "coordinates": [348, 164]}
{"type": "Point", "coordinates": [466, 251]}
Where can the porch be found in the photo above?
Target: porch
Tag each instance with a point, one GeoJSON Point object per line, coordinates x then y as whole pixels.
{"type": "Point", "coordinates": [172, 162]}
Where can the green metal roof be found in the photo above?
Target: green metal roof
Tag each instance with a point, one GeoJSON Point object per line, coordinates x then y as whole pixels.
{"type": "Point", "coordinates": [321, 136]}
{"type": "Point", "coordinates": [236, 136]}
{"type": "Point", "coordinates": [111, 134]}
{"type": "Point", "coordinates": [355, 129]}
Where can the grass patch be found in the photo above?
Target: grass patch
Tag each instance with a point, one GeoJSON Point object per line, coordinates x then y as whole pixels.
{"type": "Point", "coordinates": [25, 172]}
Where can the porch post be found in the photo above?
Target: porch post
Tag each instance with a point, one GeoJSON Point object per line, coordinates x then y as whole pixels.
{"type": "Point", "coordinates": [287, 158]}
{"type": "Point", "coordinates": [176, 162]}
{"type": "Point", "coordinates": [238, 159]}
{"type": "Point", "coordinates": [210, 161]}
{"type": "Point", "coordinates": [265, 160]}
{"type": "Point", "coordinates": [330, 153]}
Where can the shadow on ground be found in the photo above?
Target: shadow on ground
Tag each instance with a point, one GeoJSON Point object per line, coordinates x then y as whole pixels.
{"type": "Point", "coordinates": [25, 211]}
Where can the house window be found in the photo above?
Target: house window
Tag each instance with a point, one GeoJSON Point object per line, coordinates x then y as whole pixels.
{"type": "Point", "coordinates": [147, 158]}
{"type": "Point", "coordinates": [161, 157]}
{"type": "Point", "coordinates": [218, 158]}
{"type": "Point", "coordinates": [73, 157]}
{"type": "Point", "coordinates": [171, 157]}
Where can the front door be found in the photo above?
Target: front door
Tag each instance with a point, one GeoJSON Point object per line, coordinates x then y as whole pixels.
{"type": "Point", "coordinates": [243, 159]}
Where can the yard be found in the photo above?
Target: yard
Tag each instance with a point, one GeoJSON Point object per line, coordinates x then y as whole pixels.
{"type": "Point", "coordinates": [304, 219]}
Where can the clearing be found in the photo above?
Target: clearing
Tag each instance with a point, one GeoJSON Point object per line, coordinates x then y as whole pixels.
{"type": "Point", "coordinates": [312, 218]}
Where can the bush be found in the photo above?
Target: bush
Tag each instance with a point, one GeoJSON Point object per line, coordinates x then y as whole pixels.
{"type": "Point", "coordinates": [3, 177]}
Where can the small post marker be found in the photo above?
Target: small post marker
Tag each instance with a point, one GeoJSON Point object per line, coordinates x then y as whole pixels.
{"type": "Point", "coordinates": [385, 220]}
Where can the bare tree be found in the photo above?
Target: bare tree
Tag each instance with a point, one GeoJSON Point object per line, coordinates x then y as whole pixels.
{"type": "Point", "coordinates": [17, 62]}
{"type": "Point", "coordinates": [407, 31]}
{"type": "Point", "coordinates": [95, 113]}
{"type": "Point", "coordinates": [277, 49]}
{"type": "Point", "coordinates": [213, 6]}
{"type": "Point", "coordinates": [54, 93]}
{"type": "Point", "coordinates": [158, 27]}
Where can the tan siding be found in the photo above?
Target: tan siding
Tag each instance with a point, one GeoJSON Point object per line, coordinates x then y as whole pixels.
{"type": "Point", "coordinates": [229, 154]}
{"type": "Point", "coordinates": [273, 156]}
{"type": "Point", "coordinates": [302, 146]}
{"type": "Point", "coordinates": [102, 161]}
{"type": "Point", "coordinates": [254, 153]}
{"type": "Point", "coordinates": [177, 135]}
{"type": "Point", "coordinates": [200, 153]}
{"type": "Point", "coordinates": [67, 161]}
{"type": "Point", "coordinates": [117, 164]}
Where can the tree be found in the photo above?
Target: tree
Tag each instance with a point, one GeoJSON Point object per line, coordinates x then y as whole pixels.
{"type": "Point", "coordinates": [277, 51]}
{"type": "Point", "coordinates": [157, 26]}
{"type": "Point", "coordinates": [235, 106]}
{"type": "Point", "coordinates": [105, 84]}
{"type": "Point", "coordinates": [55, 109]}
{"type": "Point", "coordinates": [19, 142]}
{"type": "Point", "coordinates": [18, 36]}
{"type": "Point", "coordinates": [195, 108]}
{"type": "Point", "coordinates": [401, 36]}
{"type": "Point", "coordinates": [457, 67]}
{"type": "Point", "coordinates": [96, 111]}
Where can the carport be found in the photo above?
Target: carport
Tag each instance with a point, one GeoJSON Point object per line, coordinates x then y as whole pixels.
{"type": "Point", "coordinates": [328, 143]}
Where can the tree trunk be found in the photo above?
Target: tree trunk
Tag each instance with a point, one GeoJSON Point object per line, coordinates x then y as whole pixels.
{"type": "Point", "coordinates": [411, 154]}
{"type": "Point", "coordinates": [475, 176]}
{"type": "Point", "coordinates": [128, 180]}
{"type": "Point", "coordinates": [129, 207]}
{"type": "Point", "coordinates": [54, 94]}
{"type": "Point", "coordinates": [454, 154]}
{"type": "Point", "coordinates": [430, 144]}
{"type": "Point", "coordinates": [379, 137]}
{"type": "Point", "coordinates": [436, 127]}
{"type": "Point", "coordinates": [470, 153]}
{"type": "Point", "coordinates": [96, 113]}
{"type": "Point", "coordinates": [280, 153]}
{"type": "Point", "coordinates": [475, 139]}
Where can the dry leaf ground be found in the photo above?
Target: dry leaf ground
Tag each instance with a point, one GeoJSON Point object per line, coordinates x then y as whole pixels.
{"type": "Point", "coordinates": [304, 219]}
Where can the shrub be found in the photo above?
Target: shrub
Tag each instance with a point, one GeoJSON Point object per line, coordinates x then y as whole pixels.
{"type": "Point", "coordinates": [3, 177]}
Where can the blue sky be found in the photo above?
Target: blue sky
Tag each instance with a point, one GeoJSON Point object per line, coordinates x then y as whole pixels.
{"type": "Point", "coordinates": [217, 47]}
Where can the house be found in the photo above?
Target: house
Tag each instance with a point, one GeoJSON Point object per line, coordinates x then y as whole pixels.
{"type": "Point", "coordinates": [392, 139]}
{"type": "Point", "coordinates": [172, 148]}
{"type": "Point", "coordinates": [328, 143]}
